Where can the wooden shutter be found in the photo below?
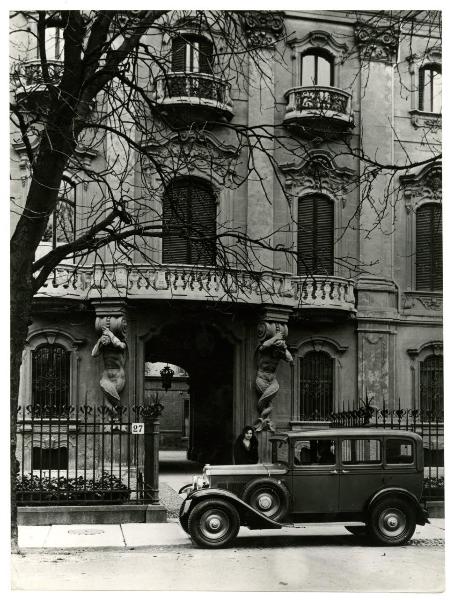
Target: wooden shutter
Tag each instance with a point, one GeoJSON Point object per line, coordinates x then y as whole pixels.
{"type": "Point", "coordinates": [175, 244]}
{"type": "Point", "coordinates": [315, 244]}
{"type": "Point", "coordinates": [429, 251]}
{"type": "Point", "coordinates": [178, 54]}
{"type": "Point", "coordinates": [189, 212]}
{"type": "Point", "coordinates": [206, 56]}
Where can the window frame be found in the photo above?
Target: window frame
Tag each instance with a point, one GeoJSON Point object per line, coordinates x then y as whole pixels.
{"type": "Point", "coordinates": [367, 465]}
{"type": "Point", "coordinates": [315, 228]}
{"type": "Point", "coordinates": [316, 54]}
{"type": "Point", "coordinates": [63, 403]}
{"type": "Point", "coordinates": [433, 69]}
{"type": "Point", "coordinates": [429, 250]}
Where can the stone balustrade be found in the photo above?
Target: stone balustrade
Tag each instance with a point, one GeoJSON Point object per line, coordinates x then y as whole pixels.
{"type": "Point", "coordinates": [188, 282]}
{"type": "Point", "coordinates": [29, 74]}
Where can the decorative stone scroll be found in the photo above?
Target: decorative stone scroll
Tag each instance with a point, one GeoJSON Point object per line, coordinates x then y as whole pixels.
{"type": "Point", "coordinates": [377, 43]}
{"type": "Point", "coordinates": [112, 347]}
{"type": "Point", "coordinates": [263, 27]}
{"type": "Point", "coordinates": [272, 337]}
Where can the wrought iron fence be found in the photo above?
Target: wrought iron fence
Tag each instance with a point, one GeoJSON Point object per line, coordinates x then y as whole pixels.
{"type": "Point", "coordinates": [429, 424]}
{"type": "Point", "coordinates": [84, 455]}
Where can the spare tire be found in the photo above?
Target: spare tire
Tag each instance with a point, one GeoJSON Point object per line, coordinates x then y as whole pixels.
{"type": "Point", "coordinates": [268, 497]}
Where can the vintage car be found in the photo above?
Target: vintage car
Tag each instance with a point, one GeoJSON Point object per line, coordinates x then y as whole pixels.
{"type": "Point", "coordinates": [370, 479]}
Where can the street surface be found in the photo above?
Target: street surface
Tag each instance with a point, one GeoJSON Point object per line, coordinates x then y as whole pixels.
{"type": "Point", "coordinates": [257, 562]}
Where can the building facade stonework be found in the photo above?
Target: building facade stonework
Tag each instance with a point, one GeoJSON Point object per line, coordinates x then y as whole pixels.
{"type": "Point", "coordinates": [354, 315]}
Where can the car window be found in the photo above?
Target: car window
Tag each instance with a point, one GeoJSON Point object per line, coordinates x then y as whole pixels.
{"type": "Point", "coordinates": [280, 451]}
{"type": "Point", "coordinates": [399, 451]}
{"type": "Point", "coordinates": [361, 452]}
{"type": "Point", "coordinates": [315, 452]}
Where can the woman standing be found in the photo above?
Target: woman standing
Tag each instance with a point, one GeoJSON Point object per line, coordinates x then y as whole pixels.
{"type": "Point", "coordinates": [245, 450]}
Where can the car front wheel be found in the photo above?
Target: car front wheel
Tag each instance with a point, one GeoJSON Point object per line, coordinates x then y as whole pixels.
{"type": "Point", "coordinates": [213, 523]}
{"type": "Point", "coordinates": [392, 522]}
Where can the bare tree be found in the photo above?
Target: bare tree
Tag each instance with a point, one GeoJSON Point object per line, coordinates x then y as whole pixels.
{"type": "Point", "coordinates": [101, 98]}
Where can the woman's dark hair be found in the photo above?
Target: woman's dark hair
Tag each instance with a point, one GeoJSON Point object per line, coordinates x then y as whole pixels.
{"type": "Point", "coordinates": [247, 428]}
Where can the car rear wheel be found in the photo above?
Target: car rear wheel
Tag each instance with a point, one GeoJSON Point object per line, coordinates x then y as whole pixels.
{"type": "Point", "coordinates": [267, 497]}
{"type": "Point", "coordinates": [392, 522]}
{"type": "Point", "coordinates": [213, 523]}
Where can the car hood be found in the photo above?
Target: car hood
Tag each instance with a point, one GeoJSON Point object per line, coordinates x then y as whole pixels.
{"type": "Point", "coordinates": [263, 469]}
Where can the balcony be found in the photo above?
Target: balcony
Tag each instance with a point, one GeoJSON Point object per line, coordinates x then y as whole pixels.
{"type": "Point", "coordinates": [319, 109]}
{"type": "Point", "coordinates": [29, 76]}
{"type": "Point", "coordinates": [190, 282]}
{"type": "Point", "coordinates": [189, 97]}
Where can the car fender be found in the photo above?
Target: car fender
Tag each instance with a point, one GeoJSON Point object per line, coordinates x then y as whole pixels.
{"type": "Point", "coordinates": [248, 515]}
{"type": "Point", "coordinates": [422, 516]}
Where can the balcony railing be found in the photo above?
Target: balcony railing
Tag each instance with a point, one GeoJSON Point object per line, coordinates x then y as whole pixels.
{"type": "Point", "coordinates": [29, 74]}
{"type": "Point", "coordinates": [202, 90]}
{"type": "Point", "coordinates": [190, 282]}
{"type": "Point", "coordinates": [322, 105]}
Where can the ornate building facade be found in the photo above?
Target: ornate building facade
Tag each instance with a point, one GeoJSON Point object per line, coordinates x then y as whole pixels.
{"type": "Point", "coordinates": [352, 315]}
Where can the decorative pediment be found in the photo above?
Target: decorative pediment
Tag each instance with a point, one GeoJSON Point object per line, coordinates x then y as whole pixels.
{"type": "Point", "coordinates": [318, 172]}
{"type": "Point", "coordinates": [320, 40]}
{"type": "Point", "coordinates": [425, 185]}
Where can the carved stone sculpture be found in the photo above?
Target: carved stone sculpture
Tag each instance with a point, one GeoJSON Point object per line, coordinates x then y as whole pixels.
{"type": "Point", "coordinates": [113, 351]}
{"type": "Point", "coordinates": [272, 350]}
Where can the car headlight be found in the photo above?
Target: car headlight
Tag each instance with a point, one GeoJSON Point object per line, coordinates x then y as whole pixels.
{"type": "Point", "coordinates": [200, 481]}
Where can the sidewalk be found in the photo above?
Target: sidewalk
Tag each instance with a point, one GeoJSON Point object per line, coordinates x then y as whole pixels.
{"type": "Point", "coordinates": [143, 535]}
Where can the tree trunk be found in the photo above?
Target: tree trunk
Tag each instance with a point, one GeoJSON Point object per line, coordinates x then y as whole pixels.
{"type": "Point", "coordinates": [20, 313]}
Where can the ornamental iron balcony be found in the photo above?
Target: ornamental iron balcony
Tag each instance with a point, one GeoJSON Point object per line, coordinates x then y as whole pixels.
{"type": "Point", "coordinates": [191, 282]}
{"type": "Point", "coordinates": [202, 95]}
{"type": "Point", "coordinates": [30, 78]}
{"type": "Point", "coordinates": [319, 108]}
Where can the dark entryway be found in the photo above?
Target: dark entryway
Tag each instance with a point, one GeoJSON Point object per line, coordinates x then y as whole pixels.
{"type": "Point", "coordinates": [204, 353]}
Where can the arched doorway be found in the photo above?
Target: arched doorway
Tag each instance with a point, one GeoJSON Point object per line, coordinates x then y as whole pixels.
{"type": "Point", "coordinates": [207, 358]}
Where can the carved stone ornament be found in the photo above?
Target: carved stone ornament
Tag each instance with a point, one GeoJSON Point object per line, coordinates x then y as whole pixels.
{"type": "Point", "coordinates": [272, 337]}
{"type": "Point", "coordinates": [429, 301]}
{"type": "Point", "coordinates": [263, 27]}
{"type": "Point", "coordinates": [426, 185]}
{"type": "Point", "coordinates": [377, 43]}
{"type": "Point", "coordinates": [318, 172]}
{"type": "Point", "coordinates": [192, 152]}
{"type": "Point", "coordinates": [112, 347]}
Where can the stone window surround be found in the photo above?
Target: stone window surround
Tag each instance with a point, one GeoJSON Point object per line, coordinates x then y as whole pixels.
{"type": "Point", "coordinates": [317, 344]}
{"type": "Point", "coordinates": [417, 356]}
{"type": "Point", "coordinates": [50, 336]}
{"type": "Point", "coordinates": [421, 118]}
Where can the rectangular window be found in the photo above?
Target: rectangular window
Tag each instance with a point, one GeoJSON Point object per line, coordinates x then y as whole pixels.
{"type": "Point", "coordinates": [315, 452]}
{"type": "Point", "coordinates": [280, 452]}
{"type": "Point", "coordinates": [47, 459]}
{"type": "Point", "coordinates": [361, 452]}
{"type": "Point", "coordinates": [399, 451]}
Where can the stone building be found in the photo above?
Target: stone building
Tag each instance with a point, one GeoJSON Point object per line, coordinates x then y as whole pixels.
{"type": "Point", "coordinates": [359, 307]}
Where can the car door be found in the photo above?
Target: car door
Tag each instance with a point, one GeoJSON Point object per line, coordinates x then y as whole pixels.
{"type": "Point", "coordinates": [315, 476]}
{"type": "Point", "coordinates": [361, 472]}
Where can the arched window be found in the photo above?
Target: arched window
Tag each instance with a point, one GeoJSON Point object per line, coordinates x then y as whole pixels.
{"type": "Point", "coordinates": [192, 53]}
{"type": "Point", "coordinates": [316, 385]}
{"type": "Point", "coordinates": [61, 227]}
{"type": "Point", "coordinates": [429, 250]}
{"type": "Point", "coordinates": [431, 383]}
{"type": "Point", "coordinates": [315, 235]}
{"type": "Point", "coordinates": [430, 88]}
{"type": "Point", "coordinates": [51, 378]}
{"type": "Point", "coordinates": [317, 68]}
{"type": "Point", "coordinates": [189, 223]}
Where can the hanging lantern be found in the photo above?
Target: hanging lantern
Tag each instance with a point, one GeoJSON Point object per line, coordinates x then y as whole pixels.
{"type": "Point", "coordinates": [166, 377]}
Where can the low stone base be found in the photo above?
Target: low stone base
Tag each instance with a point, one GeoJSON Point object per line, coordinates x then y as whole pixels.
{"type": "Point", "coordinates": [436, 509]}
{"type": "Point", "coordinates": [105, 514]}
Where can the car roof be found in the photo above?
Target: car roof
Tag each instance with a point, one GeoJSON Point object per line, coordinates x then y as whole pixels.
{"type": "Point", "coordinates": [344, 432]}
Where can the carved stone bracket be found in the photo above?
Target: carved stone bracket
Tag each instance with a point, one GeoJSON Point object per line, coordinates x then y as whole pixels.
{"type": "Point", "coordinates": [377, 43]}
{"type": "Point", "coordinates": [427, 185]}
{"type": "Point", "coordinates": [272, 334]}
{"type": "Point", "coordinates": [112, 347]}
{"type": "Point", "coordinates": [263, 27]}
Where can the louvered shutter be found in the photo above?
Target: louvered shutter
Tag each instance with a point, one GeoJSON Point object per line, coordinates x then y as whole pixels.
{"type": "Point", "coordinates": [315, 242]}
{"type": "Point", "coordinates": [421, 88]}
{"type": "Point", "coordinates": [175, 243]}
{"type": "Point", "coordinates": [206, 56]}
{"type": "Point", "coordinates": [429, 259]}
{"type": "Point", "coordinates": [178, 54]}
{"type": "Point", "coordinates": [203, 222]}
{"type": "Point", "coordinates": [305, 243]}
{"type": "Point", "coordinates": [324, 228]}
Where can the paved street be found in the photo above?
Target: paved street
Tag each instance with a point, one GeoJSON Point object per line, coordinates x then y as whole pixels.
{"type": "Point", "coordinates": [296, 560]}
